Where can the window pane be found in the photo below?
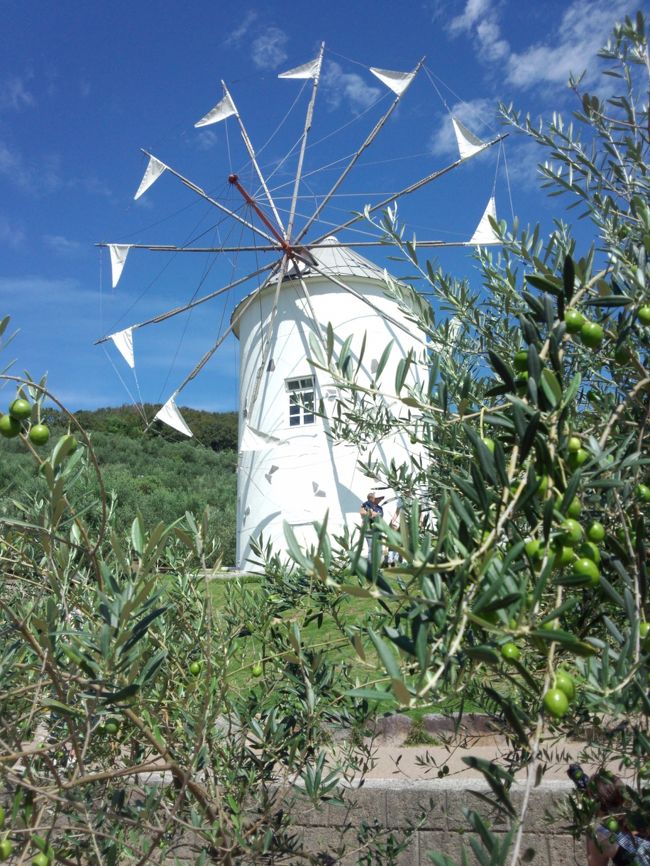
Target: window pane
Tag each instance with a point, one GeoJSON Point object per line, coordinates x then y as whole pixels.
{"type": "Point", "coordinates": [293, 422]}
{"type": "Point", "coordinates": [308, 419]}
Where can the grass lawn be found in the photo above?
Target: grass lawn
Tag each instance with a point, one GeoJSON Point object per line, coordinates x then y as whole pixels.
{"type": "Point", "coordinates": [323, 635]}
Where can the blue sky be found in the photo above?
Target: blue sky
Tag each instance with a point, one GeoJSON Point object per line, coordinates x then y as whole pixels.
{"type": "Point", "coordinates": [85, 86]}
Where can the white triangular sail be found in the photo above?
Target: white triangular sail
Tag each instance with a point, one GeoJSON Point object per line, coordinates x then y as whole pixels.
{"type": "Point", "coordinates": [118, 253]}
{"type": "Point", "coordinates": [396, 81]}
{"type": "Point", "coordinates": [307, 70]}
{"type": "Point", "coordinates": [124, 344]}
{"type": "Point", "coordinates": [223, 109]}
{"type": "Point", "coordinates": [170, 415]}
{"type": "Point", "coordinates": [153, 171]}
{"type": "Point", "coordinates": [484, 233]}
{"type": "Point", "coordinates": [468, 143]}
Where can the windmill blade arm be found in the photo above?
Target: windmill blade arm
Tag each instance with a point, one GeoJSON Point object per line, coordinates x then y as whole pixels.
{"type": "Point", "coordinates": [194, 372]}
{"type": "Point", "coordinates": [406, 191]}
{"type": "Point", "coordinates": [168, 248]}
{"type": "Point", "coordinates": [161, 317]}
{"type": "Point", "coordinates": [253, 156]}
{"type": "Point", "coordinates": [303, 143]}
{"type": "Point", "coordinates": [201, 192]}
{"type": "Point", "coordinates": [348, 168]}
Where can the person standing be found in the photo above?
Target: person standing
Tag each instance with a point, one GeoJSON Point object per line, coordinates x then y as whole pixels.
{"type": "Point", "coordinates": [370, 510]}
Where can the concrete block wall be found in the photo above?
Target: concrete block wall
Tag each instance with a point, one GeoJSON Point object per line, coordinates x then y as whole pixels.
{"type": "Point", "coordinates": [399, 804]}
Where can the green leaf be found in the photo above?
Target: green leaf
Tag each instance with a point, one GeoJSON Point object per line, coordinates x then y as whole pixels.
{"type": "Point", "coordinates": [386, 655]}
{"type": "Point", "coordinates": [551, 387]}
{"type": "Point", "coordinates": [543, 284]}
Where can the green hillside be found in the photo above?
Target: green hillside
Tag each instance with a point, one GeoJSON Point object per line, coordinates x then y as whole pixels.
{"type": "Point", "coordinates": [159, 473]}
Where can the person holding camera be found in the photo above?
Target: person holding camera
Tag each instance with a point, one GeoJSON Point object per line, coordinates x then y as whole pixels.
{"type": "Point", "coordinates": [370, 510]}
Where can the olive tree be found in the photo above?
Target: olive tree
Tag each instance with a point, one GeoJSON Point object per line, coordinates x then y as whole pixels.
{"type": "Point", "coordinates": [525, 588]}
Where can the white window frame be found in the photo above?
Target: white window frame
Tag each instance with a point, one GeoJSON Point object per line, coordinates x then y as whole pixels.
{"type": "Point", "coordinates": [302, 398]}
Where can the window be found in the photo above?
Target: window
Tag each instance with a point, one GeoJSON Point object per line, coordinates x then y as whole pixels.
{"type": "Point", "coordinates": [301, 400]}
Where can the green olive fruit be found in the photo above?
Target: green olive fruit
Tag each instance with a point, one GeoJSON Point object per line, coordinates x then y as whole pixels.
{"type": "Point", "coordinates": [644, 634]}
{"type": "Point", "coordinates": [111, 727]}
{"type": "Point", "coordinates": [194, 668]}
{"type": "Point", "coordinates": [556, 703]}
{"type": "Point", "coordinates": [544, 483]}
{"type": "Point", "coordinates": [595, 531]}
{"type": "Point", "coordinates": [41, 859]}
{"type": "Point", "coordinates": [20, 409]}
{"type": "Point", "coordinates": [572, 532]}
{"type": "Point", "coordinates": [9, 427]}
{"type": "Point", "coordinates": [644, 314]}
{"type": "Point", "coordinates": [564, 555]}
{"type": "Point", "coordinates": [510, 651]}
{"type": "Point", "coordinates": [590, 551]}
{"type": "Point", "coordinates": [573, 444]}
{"type": "Point", "coordinates": [622, 354]}
{"type": "Point", "coordinates": [6, 849]}
{"type": "Point", "coordinates": [587, 568]}
{"type": "Point", "coordinates": [534, 549]}
{"type": "Point", "coordinates": [257, 670]}
{"type": "Point", "coordinates": [643, 492]}
{"type": "Point", "coordinates": [520, 361]}
{"type": "Point", "coordinates": [574, 509]}
{"type": "Point", "coordinates": [489, 444]}
{"type": "Point", "coordinates": [551, 625]}
{"type": "Point", "coordinates": [578, 458]}
{"type": "Point", "coordinates": [612, 824]}
{"type": "Point", "coordinates": [573, 321]}
{"type": "Point", "coordinates": [591, 334]}
{"type": "Point", "coordinates": [563, 680]}
{"type": "Point", "coordinates": [39, 434]}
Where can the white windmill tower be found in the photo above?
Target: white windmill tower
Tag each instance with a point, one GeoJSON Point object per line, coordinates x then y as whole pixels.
{"type": "Point", "coordinates": [289, 470]}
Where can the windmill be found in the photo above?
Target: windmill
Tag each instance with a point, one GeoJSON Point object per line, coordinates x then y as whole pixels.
{"type": "Point", "coordinates": [289, 470]}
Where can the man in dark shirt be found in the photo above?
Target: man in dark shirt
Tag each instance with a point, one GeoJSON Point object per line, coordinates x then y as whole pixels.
{"type": "Point", "coordinates": [370, 510]}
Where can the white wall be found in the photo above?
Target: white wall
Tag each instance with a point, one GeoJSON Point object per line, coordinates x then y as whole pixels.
{"type": "Point", "coordinates": [296, 473]}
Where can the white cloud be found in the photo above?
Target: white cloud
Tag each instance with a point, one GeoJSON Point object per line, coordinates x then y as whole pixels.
{"type": "Point", "coordinates": [481, 19]}
{"type": "Point", "coordinates": [44, 177]}
{"type": "Point", "coordinates": [11, 235]}
{"type": "Point", "coordinates": [478, 116]}
{"type": "Point", "coordinates": [14, 93]}
{"type": "Point", "coordinates": [569, 47]}
{"type": "Point", "coordinates": [63, 246]}
{"type": "Point", "coordinates": [572, 48]}
{"type": "Point", "coordinates": [350, 86]}
{"type": "Point", "coordinates": [206, 139]}
{"type": "Point", "coordinates": [46, 290]}
{"type": "Point", "coordinates": [235, 37]}
{"type": "Point", "coordinates": [268, 50]}
{"type": "Point", "coordinates": [474, 10]}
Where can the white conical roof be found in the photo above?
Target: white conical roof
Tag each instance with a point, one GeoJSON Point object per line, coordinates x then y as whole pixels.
{"type": "Point", "coordinates": [335, 260]}
{"type": "Point", "coordinates": [330, 259]}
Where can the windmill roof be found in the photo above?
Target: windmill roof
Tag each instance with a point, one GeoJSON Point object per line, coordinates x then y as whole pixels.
{"type": "Point", "coordinates": [329, 259]}
{"type": "Point", "coordinates": [335, 260]}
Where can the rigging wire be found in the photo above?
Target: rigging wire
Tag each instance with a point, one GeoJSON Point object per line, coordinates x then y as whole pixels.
{"type": "Point", "coordinates": [507, 175]}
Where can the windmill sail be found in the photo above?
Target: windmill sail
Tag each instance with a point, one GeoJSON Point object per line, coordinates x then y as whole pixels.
{"type": "Point", "coordinates": [153, 171]}
{"type": "Point", "coordinates": [468, 143]}
{"type": "Point", "coordinates": [484, 233]}
{"type": "Point", "coordinates": [396, 81]}
{"type": "Point", "coordinates": [124, 344]}
{"type": "Point", "coordinates": [307, 70]}
{"type": "Point", "coordinates": [223, 109]}
{"type": "Point", "coordinates": [118, 253]}
{"type": "Point", "coordinates": [170, 415]}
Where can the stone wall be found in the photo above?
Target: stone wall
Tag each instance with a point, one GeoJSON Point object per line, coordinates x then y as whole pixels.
{"type": "Point", "coordinates": [398, 804]}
